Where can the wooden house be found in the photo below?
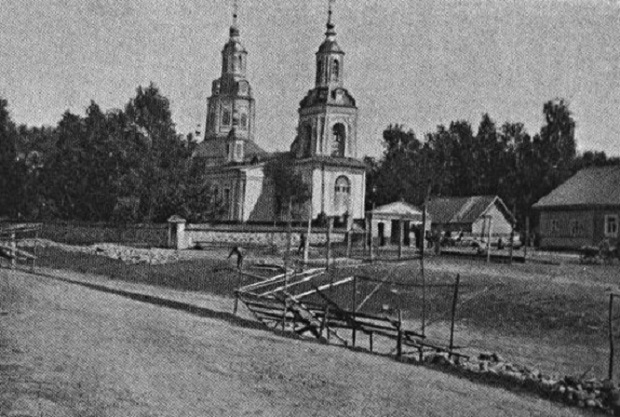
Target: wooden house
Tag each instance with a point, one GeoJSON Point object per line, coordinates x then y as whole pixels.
{"type": "Point", "coordinates": [583, 211]}
{"type": "Point", "coordinates": [471, 216]}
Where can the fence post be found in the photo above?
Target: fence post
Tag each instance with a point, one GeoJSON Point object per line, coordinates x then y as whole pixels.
{"type": "Point", "coordinates": [399, 340]}
{"type": "Point", "coordinates": [401, 237]}
{"type": "Point", "coordinates": [527, 238]}
{"type": "Point", "coordinates": [371, 253]}
{"type": "Point", "coordinates": [611, 338]}
{"type": "Point", "coordinates": [489, 239]}
{"type": "Point", "coordinates": [328, 252]}
{"type": "Point", "coordinates": [13, 251]}
{"type": "Point", "coordinates": [325, 319]}
{"type": "Point", "coordinates": [284, 314]}
{"type": "Point", "coordinates": [454, 301]}
{"type": "Point", "coordinates": [354, 297]}
{"type": "Point", "coordinates": [307, 242]}
{"type": "Point", "coordinates": [34, 249]}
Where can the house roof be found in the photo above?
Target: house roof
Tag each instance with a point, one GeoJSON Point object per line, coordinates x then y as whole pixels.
{"type": "Point", "coordinates": [463, 209]}
{"type": "Point", "coordinates": [398, 209]}
{"type": "Point", "coordinates": [599, 186]}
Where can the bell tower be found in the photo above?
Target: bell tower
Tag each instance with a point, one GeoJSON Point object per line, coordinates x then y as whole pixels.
{"type": "Point", "coordinates": [230, 108]}
{"type": "Point", "coordinates": [328, 114]}
{"type": "Point", "coordinates": [326, 142]}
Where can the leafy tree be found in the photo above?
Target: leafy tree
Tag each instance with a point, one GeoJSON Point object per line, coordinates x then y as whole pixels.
{"type": "Point", "coordinates": [9, 163]}
{"type": "Point", "coordinates": [289, 186]}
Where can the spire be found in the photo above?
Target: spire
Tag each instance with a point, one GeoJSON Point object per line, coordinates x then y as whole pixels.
{"type": "Point", "coordinates": [330, 26]}
{"type": "Point", "coordinates": [234, 29]}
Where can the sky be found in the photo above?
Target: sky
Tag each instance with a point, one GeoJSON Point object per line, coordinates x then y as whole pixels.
{"type": "Point", "coordinates": [418, 63]}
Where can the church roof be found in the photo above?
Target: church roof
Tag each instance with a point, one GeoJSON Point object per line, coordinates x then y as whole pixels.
{"type": "Point", "coordinates": [321, 95]}
{"type": "Point", "coordinates": [330, 46]}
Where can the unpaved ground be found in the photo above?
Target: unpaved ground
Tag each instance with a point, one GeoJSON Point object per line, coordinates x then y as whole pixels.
{"type": "Point", "coordinates": [70, 351]}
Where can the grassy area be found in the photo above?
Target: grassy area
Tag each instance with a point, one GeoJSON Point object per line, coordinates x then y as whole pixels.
{"type": "Point", "coordinates": [555, 311]}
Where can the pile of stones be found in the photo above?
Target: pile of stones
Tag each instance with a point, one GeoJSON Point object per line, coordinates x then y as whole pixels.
{"type": "Point", "coordinates": [595, 394]}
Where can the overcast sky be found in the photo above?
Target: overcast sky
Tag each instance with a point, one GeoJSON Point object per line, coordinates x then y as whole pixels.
{"type": "Point", "coordinates": [414, 62]}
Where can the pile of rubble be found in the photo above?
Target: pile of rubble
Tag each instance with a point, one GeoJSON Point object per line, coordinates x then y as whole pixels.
{"type": "Point", "coordinates": [595, 394]}
{"type": "Point", "coordinates": [127, 254]}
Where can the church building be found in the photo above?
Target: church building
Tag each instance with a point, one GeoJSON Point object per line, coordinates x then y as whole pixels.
{"type": "Point", "coordinates": [325, 148]}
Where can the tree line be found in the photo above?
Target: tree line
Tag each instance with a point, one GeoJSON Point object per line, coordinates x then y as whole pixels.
{"type": "Point", "coordinates": [456, 161]}
{"type": "Point", "coordinates": [131, 165]}
{"type": "Point", "coordinates": [126, 165]}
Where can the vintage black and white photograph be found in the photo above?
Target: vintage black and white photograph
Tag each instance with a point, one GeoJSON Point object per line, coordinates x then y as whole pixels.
{"type": "Point", "coordinates": [309, 208]}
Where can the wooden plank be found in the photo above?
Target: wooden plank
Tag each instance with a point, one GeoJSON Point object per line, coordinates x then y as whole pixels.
{"type": "Point", "coordinates": [12, 252]}
{"type": "Point", "coordinates": [255, 285]}
{"type": "Point", "coordinates": [323, 287]}
{"type": "Point", "coordinates": [268, 306]}
{"type": "Point", "coordinates": [291, 284]}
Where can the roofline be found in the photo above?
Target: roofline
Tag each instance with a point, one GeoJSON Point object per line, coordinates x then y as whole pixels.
{"type": "Point", "coordinates": [571, 207]}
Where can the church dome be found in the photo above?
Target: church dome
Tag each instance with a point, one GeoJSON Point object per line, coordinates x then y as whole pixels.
{"type": "Point", "coordinates": [330, 45]}
{"type": "Point", "coordinates": [234, 46]}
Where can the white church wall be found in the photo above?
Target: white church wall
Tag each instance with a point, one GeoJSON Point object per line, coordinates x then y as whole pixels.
{"type": "Point", "coordinates": [324, 194]}
{"type": "Point", "coordinates": [259, 197]}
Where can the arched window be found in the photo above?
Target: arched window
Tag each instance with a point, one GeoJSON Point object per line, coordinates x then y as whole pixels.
{"type": "Point", "coordinates": [226, 117]}
{"type": "Point", "coordinates": [319, 70]}
{"type": "Point", "coordinates": [240, 63]}
{"type": "Point", "coordinates": [336, 70]}
{"type": "Point", "coordinates": [338, 139]}
{"type": "Point", "coordinates": [342, 195]}
{"type": "Point", "coordinates": [343, 185]}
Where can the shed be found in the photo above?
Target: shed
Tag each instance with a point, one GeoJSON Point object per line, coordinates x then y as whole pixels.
{"type": "Point", "coordinates": [385, 222]}
{"type": "Point", "coordinates": [582, 211]}
{"type": "Point", "coordinates": [471, 216]}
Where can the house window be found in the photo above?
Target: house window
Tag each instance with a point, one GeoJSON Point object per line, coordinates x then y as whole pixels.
{"type": "Point", "coordinates": [244, 121]}
{"type": "Point", "coordinates": [576, 228]}
{"type": "Point", "coordinates": [611, 225]}
{"type": "Point", "coordinates": [555, 226]}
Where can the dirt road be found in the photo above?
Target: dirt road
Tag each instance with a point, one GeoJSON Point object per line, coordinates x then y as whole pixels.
{"type": "Point", "coordinates": [66, 350]}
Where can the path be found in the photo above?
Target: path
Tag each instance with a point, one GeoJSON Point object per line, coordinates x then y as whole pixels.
{"type": "Point", "coordinates": [67, 350]}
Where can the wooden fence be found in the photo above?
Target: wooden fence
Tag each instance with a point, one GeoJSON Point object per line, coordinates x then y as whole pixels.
{"type": "Point", "coordinates": [281, 302]}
